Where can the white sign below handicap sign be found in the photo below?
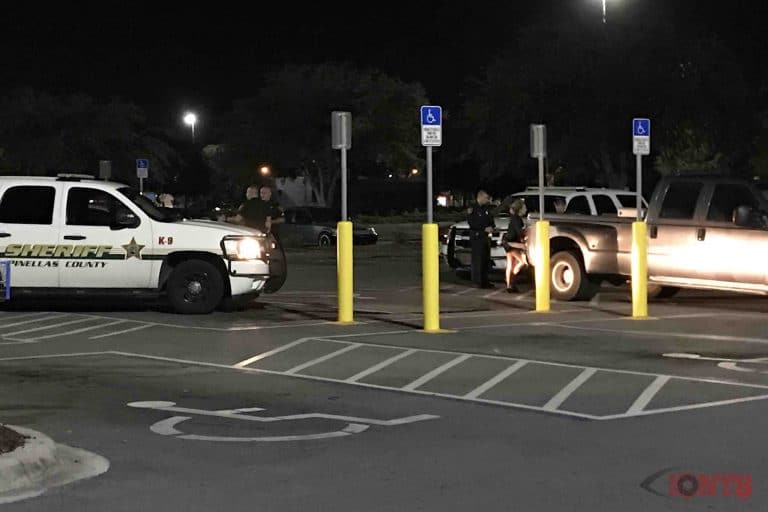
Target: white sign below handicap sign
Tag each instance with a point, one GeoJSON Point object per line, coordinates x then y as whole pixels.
{"type": "Point", "coordinates": [355, 425]}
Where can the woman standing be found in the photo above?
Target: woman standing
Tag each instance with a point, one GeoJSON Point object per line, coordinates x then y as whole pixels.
{"type": "Point", "coordinates": [513, 243]}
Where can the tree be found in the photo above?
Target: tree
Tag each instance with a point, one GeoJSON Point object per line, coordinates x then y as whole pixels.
{"type": "Point", "coordinates": [287, 124]}
{"type": "Point", "coordinates": [688, 152]}
{"type": "Point", "coordinates": [43, 134]}
{"type": "Point", "coordinates": [587, 81]}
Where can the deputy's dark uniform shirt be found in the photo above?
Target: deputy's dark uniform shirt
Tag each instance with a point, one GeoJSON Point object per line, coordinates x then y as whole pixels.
{"type": "Point", "coordinates": [480, 218]}
{"type": "Point", "coordinates": [254, 212]}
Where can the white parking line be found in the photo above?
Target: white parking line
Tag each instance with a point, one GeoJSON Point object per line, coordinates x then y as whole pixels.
{"type": "Point", "coordinates": [78, 331]}
{"type": "Point", "coordinates": [46, 327]}
{"type": "Point", "coordinates": [483, 388]}
{"type": "Point", "coordinates": [25, 315]}
{"type": "Point", "coordinates": [562, 395]}
{"type": "Point", "coordinates": [668, 334]}
{"type": "Point", "coordinates": [326, 357]}
{"type": "Point", "coordinates": [647, 395]}
{"type": "Point", "coordinates": [259, 357]}
{"type": "Point", "coordinates": [132, 329]}
{"type": "Point", "coordinates": [380, 366]}
{"type": "Point", "coordinates": [434, 373]}
{"type": "Point", "coordinates": [32, 321]}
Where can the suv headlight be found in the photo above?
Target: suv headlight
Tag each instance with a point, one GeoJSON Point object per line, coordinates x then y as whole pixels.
{"type": "Point", "coordinates": [242, 248]}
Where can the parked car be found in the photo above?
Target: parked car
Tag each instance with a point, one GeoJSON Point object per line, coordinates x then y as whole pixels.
{"type": "Point", "coordinates": [316, 225]}
{"type": "Point", "coordinates": [455, 247]}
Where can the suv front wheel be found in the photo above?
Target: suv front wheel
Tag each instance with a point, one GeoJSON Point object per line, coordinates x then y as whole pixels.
{"type": "Point", "coordinates": [195, 287]}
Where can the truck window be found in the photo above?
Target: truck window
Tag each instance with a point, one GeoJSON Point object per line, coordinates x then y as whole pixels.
{"type": "Point", "coordinates": [680, 200]}
{"type": "Point", "coordinates": [532, 203]}
{"type": "Point", "coordinates": [27, 205]}
{"type": "Point", "coordinates": [628, 200]}
{"type": "Point", "coordinates": [91, 207]}
{"type": "Point", "coordinates": [726, 198]}
{"type": "Point", "coordinates": [578, 205]}
{"type": "Point", "coordinates": [604, 205]}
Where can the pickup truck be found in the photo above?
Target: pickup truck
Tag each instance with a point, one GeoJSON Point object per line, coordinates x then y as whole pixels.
{"type": "Point", "coordinates": [73, 236]}
{"type": "Point", "coordinates": [706, 232]}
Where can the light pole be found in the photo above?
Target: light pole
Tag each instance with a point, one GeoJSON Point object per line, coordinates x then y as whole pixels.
{"type": "Point", "coordinates": [604, 12]}
{"type": "Point", "coordinates": [190, 119]}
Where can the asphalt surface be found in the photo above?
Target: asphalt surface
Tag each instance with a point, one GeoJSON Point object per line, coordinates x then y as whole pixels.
{"type": "Point", "coordinates": [277, 407]}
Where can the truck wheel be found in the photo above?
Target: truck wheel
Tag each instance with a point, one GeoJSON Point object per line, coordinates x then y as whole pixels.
{"type": "Point", "coordinates": [568, 279]}
{"type": "Point", "coordinates": [656, 291]}
{"type": "Point", "coordinates": [324, 240]}
{"type": "Point", "coordinates": [195, 287]}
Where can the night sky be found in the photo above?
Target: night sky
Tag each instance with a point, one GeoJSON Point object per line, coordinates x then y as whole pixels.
{"type": "Point", "coordinates": [208, 55]}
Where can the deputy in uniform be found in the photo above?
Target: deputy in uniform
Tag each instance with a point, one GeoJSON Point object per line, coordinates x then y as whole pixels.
{"type": "Point", "coordinates": [480, 226]}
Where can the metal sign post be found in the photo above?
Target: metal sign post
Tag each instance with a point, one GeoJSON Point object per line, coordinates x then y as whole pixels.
{"type": "Point", "coordinates": [641, 145]}
{"type": "Point", "coordinates": [541, 255]}
{"type": "Point", "coordinates": [142, 172]}
{"type": "Point", "coordinates": [105, 169]}
{"type": "Point", "coordinates": [341, 138]}
{"type": "Point", "coordinates": [431, 136]}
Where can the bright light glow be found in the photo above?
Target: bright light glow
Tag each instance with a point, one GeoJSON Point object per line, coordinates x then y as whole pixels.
{"type": "Point", "coordinates": [389, 176]}
{"type": "Point", "coordinates": [248, 249]}
{"type": "Point", "coordinates": [190, 119]}
{"type": "Point", "coordinates": [414, 171]}
{"type": "Point", "coordinates": [242, 249]}
{"type": "Point", "coordinates": [264, 170]}
{"type": "Point", "coordinates": [442, 201]}
{"type": "Point", "coordinates": [604, 11]}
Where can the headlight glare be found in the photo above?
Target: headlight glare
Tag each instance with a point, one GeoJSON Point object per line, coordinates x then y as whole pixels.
{"type": "Point", "coordinates": [241, 248]}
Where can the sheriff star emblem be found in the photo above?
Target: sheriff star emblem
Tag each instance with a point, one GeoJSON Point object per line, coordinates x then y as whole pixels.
{"type": "Point", "coordinates": [133, 250]}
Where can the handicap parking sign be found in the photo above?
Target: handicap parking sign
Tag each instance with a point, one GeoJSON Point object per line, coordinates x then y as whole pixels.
{"type": "Point", "coordinates": [641, 136]}
{"type": "Point", "coordinates": [431, 125]}
{"type": "Point", "coordinates": [641, 127]}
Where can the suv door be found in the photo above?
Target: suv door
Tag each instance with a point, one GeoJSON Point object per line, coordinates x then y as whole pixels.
{"type": "Point", "coordinates": [29, 232]}
{"type": "Point", "coordinates": [673, 248]}
{"type": "Point", "coordinates": [728, 252]}
{"type": "Point", "coordinates": [108, 238]}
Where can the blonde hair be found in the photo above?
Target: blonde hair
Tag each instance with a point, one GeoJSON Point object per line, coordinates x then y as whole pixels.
{"type": "Point", "coordinates": [517, 205]}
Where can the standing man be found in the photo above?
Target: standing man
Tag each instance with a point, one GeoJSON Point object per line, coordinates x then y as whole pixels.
{"type": "Point", "coordinates": [480, 226]}
{"type": "Point", "coordinates": [274, 214]}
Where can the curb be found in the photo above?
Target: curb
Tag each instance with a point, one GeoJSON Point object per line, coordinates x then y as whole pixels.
{"type": "Point", "coordinates": [27, 466]}
{"type": "Point", "coordinates": [41, 464]}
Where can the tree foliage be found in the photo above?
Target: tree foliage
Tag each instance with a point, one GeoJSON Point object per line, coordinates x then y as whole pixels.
{"type": "Point", "coordinates": [44, 134]}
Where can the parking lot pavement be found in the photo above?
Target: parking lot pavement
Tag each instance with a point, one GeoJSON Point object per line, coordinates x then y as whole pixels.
{"type": "Point", "coordinates": [190, 437]}
{"type": "Point", "coordinates": [521, 396]}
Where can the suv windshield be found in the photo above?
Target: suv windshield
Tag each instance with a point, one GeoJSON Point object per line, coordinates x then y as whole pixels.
{"type": "Point", "coordinates": [147, 206]}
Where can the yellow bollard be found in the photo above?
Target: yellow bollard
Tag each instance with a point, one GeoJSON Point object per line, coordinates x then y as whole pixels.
{"type": "Point", "coordinates": [542, 266]}
{"type": "Point", "coordinates": [430, 275]}
{"type": "Point", "coordinates": [345, 271]}
{"type": "Point", "coordinates": [639, 270]}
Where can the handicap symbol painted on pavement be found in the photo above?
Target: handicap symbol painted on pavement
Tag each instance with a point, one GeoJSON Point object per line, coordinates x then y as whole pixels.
{"type": "Point", "coordinates": [354, 425]}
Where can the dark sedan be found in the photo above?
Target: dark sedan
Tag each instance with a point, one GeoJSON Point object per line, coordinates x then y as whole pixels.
{"type": "Point", "coordinates": [315, 225]}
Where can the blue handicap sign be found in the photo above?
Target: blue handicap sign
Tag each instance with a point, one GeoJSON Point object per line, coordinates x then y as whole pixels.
{"type": "Point", "coordinates": [431, 115]}
{"type": "Point", "coordinates": [641, 127]}
{"type": "Point", "coordinates": [142, 163]}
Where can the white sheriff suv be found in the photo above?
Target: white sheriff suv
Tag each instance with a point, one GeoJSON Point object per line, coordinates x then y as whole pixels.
{"type": "Point", "coordinates": [75, 236]}
{"type": "Point", "coordinates": [455, 248]}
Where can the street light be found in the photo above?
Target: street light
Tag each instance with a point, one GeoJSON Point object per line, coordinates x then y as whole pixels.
{"type": "Point", "coordinates": [190, 119]}
{"type": "Point", "coordinates": [604, 11]}
{"type": "Point", "coordinates": [414, 172]}
{"type": "Point", "coordinates": [264, 170]}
